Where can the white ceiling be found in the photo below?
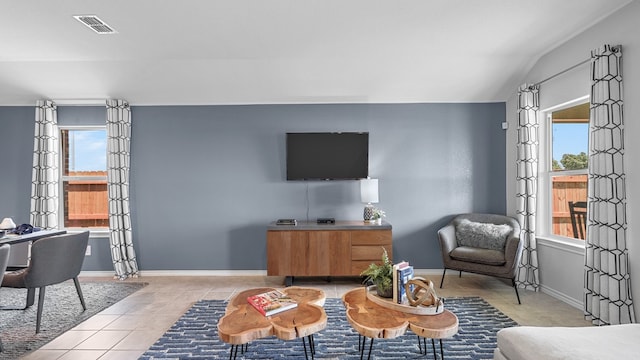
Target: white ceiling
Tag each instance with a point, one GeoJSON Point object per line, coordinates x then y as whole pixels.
{"type": "Point", "coordinates": [281, 51]}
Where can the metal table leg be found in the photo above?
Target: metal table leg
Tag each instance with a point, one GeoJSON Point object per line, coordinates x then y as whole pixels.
{"type": "Point", "coordinates": [364, 341]}
{"type": "Point", "coordinates": [312, 347]}
{"type": "Point", "coordinates": [433, 344]}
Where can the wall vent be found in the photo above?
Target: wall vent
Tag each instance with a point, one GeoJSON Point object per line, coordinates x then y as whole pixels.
{"type": "Point", "coordinates": [95, 24]}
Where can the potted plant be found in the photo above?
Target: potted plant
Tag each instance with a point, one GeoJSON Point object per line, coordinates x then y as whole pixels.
{"type": "Point", "coordinates": [381, 276]}
{"type": "Point", "coordinates": [378, 214]}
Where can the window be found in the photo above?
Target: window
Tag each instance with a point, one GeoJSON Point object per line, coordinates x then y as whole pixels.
{"type": "Point", "coordinates": [567, 167]}
{"type": "Point", "coordinates": [84, 178]}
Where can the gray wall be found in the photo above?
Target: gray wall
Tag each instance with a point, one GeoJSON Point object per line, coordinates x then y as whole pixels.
{"type": "Point", "coordinates": [16, 148]}
{"type": "Point", "coordinates": [206, 180]}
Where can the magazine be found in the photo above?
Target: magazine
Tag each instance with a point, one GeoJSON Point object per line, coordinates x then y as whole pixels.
{"type": "Point", "coordinates": [272, 302]}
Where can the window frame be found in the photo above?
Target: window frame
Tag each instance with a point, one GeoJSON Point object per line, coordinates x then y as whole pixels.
{"type": "Point", "coordinates": [546, 174]}
{"type": "Point", "coordinates": [95, 231]}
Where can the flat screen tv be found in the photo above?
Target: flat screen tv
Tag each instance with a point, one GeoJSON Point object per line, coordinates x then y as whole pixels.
{"type": "Point", "coordinates": [327, 156]}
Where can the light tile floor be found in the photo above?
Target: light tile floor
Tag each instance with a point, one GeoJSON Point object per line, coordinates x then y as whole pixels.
{"type": "Point", "coordinates": [128, 328]}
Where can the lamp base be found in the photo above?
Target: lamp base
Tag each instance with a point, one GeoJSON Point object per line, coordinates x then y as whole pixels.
{"type": "Point", "coordinates": [368, 213]}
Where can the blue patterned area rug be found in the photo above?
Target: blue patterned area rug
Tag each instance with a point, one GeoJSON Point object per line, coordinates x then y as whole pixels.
{"type": "Point", "coordinates": [195, 336]}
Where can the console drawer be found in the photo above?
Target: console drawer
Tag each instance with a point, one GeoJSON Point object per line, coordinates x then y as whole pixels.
{"type": "Point", "coordinates": [369, 253]}
{"type": "Point", "coordinates": [371, 237]}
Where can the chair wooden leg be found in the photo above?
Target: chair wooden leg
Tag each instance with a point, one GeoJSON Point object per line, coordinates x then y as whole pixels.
{"type": "Point", "coordinates": [79, 290]}
{"type": "Point", "coordinates": [442, 280]}
{"type": "Point", "coordinates": [40, 305]}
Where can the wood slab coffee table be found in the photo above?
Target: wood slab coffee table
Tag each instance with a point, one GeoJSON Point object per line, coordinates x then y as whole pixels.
{"type": "Point", "coordinates": [374, 321]}
{"type": "Point", "coordinates": [242, 323]}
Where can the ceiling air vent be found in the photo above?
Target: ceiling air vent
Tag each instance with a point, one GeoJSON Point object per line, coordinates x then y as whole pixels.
{"type": "Point", "coordinates": [95, 24]}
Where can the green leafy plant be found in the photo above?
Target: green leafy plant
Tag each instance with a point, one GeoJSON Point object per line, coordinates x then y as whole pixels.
{"type": "Point", "coordinates": [381, 275]}
{"type": "Point", "coordinates": [378, 213]}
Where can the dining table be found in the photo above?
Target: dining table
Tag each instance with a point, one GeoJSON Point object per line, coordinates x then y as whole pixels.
{"type": "Point", "coordinates": [12, 239]}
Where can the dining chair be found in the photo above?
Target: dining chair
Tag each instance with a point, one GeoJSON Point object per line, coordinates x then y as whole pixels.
{"type": "Point", "coordinates": [54, 260]}
{"type": "Point", "coordinates": [4, 259]}
{"type": "Point", "coordinates": [578, 212]}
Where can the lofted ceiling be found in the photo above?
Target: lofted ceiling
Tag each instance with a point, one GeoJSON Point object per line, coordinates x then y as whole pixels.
{"type": "Point", "coordinates": [189, 52]}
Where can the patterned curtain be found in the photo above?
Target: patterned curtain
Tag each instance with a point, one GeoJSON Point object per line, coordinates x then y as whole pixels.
{"type": "Point", "coordinates": [527, 184]}
{"type": "Point", "coordinates": [44, 178]}
{"type": "Point", "coordinates": [607, 280]}
{"type": "Point", "coordinates": [118, 145]}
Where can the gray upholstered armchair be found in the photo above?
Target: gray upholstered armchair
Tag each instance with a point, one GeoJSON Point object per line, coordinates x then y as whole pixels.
{"type": "Point", "coordinates": [486, 244]}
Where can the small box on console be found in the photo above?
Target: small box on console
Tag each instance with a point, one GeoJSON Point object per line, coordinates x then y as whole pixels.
{"type": "Point", "coordinates": [326, 221]}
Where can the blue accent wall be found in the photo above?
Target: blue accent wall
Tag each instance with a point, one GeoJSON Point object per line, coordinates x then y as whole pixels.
{"type": "Point", "coordinates": [206, 180]}
{"type": "Point", "coordinates": [16, 148]}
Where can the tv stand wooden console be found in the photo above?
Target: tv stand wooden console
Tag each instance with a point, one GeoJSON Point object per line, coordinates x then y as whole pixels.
{"type": "Point", "coordinates": [345, 248]}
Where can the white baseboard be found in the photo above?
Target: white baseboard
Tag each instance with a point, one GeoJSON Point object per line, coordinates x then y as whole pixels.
{"type": "Point", "coordinates": [428, 271]}
{"type": "Point", "coordinates": [562, 297]}
{"type": "Point", "coordinates": [181, 273]}
{"type": "Point", "coordinates": [96, 274]}
{"type": "Point", "coordinates": [217, 273]}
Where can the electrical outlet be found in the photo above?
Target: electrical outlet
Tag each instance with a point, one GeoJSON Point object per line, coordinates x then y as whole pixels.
{"type": "Point", "coordinates": [88, 251]}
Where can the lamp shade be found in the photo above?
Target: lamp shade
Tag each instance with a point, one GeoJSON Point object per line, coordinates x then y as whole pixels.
{"type": "Point", "coordinates": [7, 224]}
{"type": "Point", "coordinates": [369, 190]}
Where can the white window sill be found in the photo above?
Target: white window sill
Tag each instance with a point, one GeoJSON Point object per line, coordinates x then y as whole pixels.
{"type": "Point", "coordinates": [93, 233]}
{"type": "Point", "coordinates": [562, 243]}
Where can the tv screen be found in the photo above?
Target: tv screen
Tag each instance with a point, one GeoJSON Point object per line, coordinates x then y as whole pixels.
{"type": "Point", "coordinates": [327, 156]}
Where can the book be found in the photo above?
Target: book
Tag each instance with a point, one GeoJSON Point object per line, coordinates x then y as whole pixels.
{"type": "Point", "coordinates": [271, 302]}
{"type": "Point", "coordinates": [404, 275]}
{"type": "Point", "coordinates": [400, 265]}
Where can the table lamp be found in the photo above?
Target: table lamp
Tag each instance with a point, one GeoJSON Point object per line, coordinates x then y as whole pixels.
{"type": "Point", "coordinates": [368, 195]}
{"type": "Point", "coordinates": [7, 224]}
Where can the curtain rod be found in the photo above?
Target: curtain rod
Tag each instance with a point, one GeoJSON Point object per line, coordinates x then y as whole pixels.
{"type": "Point", "coordinates": [562, 72]}
{"type": "Point", "coordinates": [614, 48]}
